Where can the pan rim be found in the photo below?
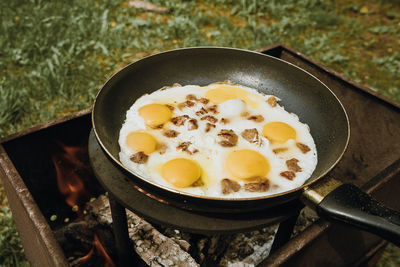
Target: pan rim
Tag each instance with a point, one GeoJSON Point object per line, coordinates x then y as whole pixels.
{"type": "Point", "coordinates": [185, 194]}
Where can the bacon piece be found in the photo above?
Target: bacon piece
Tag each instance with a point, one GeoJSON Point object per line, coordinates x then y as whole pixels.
{"type": "Point", "coordinates": [304, 148]}
{"type": "Point", "coordinates": [257, 187]}
{"type": "Point", "coordinates": [204, 100]}
{"type": "Point", "coordinates": [224, 121]}
{"type": "Point", "coordinates": [170, 107]}
{"type": "Point", "coordinates": [139, 157]}
{"type": "Point", "coordinates": [162, 148]}
{"type": "Point", "coordinates": [209, 126]}
{"type": "Point", "coordinates": [229, 186]}
{"type": "Point", "coordinates": [288, 175]}
{"type": "Point", "coordinates": [191, 97]}
{"type": "Point", "coordinates": [244, 114]}
{"type": "Point", "coordinates": [279, 150]}
{"type": "Point", "coordinates": [193, 124]}
{"type": "Point", "coordinates": [292, 165]}
{"type": "Point", "coordinates": [210, 118]}
{"type": "Point", "coordinates": [272, 101]}
{"type": "Point", "coordinates": [250, 135]}
{"type": "Point", "coordinates": [229, 138]}
{"type": "Point", "coordinates": [256, 118]}
{"type": "Point", "coordinates": [213, 109]}
{"type": "Point", "coordinates": [201, 111]}
{"type": "Point", "coordinates": [171, 133]}
{"type": "Point", "coordinates": [184, 146]}
{"type": "Point", "coordinates": [185, 104]}
{"type": "Point", "coordinates": [179, 120]}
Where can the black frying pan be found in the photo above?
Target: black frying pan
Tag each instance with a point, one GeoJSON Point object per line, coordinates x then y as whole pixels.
{"type": "Point", "coordinates": [301, 93]}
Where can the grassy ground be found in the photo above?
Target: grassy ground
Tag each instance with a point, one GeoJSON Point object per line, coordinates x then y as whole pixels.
{"type": "Point", "coordinates": [56, 54]}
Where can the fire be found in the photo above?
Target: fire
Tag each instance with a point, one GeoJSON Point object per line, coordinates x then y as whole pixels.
{"type": "Point", "coordinates": [102, 252]}
{"type": "Point", "coordinates": [71, 168]}
{"type": "Point", "coordinates": [69, 165]}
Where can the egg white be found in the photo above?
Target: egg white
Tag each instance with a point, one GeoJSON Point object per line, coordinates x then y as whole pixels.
{"type": "Point", "coordinates": [211, 155]}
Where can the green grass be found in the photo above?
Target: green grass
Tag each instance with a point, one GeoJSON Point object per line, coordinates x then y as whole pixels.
{"type": "Point", "coordinates": [56, 54]}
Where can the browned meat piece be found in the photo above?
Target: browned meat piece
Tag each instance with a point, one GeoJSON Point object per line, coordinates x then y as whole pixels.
{"type": "Point", "coordinates": [162, 148]}
{"type": "Point", "coordinates": [229, 186]}
{"type": "Point", "coordinates": [272, 101]}
{"type": "Point", "coordinates": [179, 120]}
{"type": "Point", "coordinates": [191, 97]}
{"type": "Point", "coordinates": [171, 133]}
{"type": "Point", "coordinates": [193, 124]}
{"type": "Point", "coordinates": [257, 187]}
{"type": "Point", "coordinates": [244, 114]}
{"type": "Point", "coordinates": [304, 148]}
{"type": "Point", "coordinates": [288, 175]}
{"type": "Point", "coordinates": [210, 118]}
{"type": "Point", "coordinates": [224, 121]}
{"type": "Point", "coordinates": [256, 118]}
{"type": "Point", "coordinates": [279, 150]}
{"type": "Point", "coordinates": [185, 104]}
{"type": "Point", "coordinates": [209, 126]}
{"type": "Point", "coordinates": [250, 135]}
{"type": "Point", "coordinates": [213, 109]}
{"type": "Point", "coordinates": [139, 157]}
{"type": "Point", "coordinates": [184, 146]}
{"type": "Point", "coordinates": [170, 107]}
{"type": "Point", "coordinates": [228, 138]}
{"type": "Point", "coordinates": [292, 165]}
{"type": "Point", "coordinates": [200, 112]}
{"type": "Point", "coordinates": [204, 100]}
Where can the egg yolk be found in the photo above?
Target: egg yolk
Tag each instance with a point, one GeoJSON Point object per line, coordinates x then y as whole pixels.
{"type": "Point", "coordinates": [224, 92]}
{"type": "Point", "coordinates": [141, 141]}
{"type": "Point", "coordinates": [181, 172]}
{"type": "Point", "coordinates": [155, 114]}
{"type": "Point", "coordinates": [278, 132]}
{"type": "Point", "coordinates": [246, 163]}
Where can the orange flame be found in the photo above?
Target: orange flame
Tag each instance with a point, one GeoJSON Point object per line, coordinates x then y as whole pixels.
{"type": "Point", "coordinates": [102, 252]}
{"type": "Point", "coordinates": [86, 257]}
{"type": "Point", "coordinates": [70, 166]}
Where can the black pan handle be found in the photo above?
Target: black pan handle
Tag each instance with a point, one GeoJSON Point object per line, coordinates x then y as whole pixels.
{"type": "Point", "coordinates": [349, 204]}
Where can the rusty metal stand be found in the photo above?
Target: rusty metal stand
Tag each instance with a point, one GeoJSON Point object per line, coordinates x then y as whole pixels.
{"type": "Point", "coordinates": [120, 228]}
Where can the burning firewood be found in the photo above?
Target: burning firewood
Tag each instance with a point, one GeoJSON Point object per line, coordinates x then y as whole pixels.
{"type": "Point", "coordinates": [152, 246]}
{"type": "Point", "coordinates": [171, 247]}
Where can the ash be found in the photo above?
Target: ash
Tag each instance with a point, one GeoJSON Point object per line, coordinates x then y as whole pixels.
{"type": "Point", "coordinates": [162, 246]}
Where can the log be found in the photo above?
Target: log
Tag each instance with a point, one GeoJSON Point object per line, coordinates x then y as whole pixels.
{"type": "Point", "coordinates": [153, 247]}
{"type": "Point", "coordinates": [163, 246]}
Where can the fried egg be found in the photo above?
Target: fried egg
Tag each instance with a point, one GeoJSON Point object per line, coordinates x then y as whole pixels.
{"type": "Point", "coordinates": [220, 140]}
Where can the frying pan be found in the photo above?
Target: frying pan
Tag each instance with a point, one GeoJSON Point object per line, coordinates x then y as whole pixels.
{"type": "Point", "coordinates": [301, 93]}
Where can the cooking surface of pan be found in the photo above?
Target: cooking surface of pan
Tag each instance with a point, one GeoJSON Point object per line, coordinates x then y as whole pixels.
{"type": "Point", "coordinates": [301, 93]}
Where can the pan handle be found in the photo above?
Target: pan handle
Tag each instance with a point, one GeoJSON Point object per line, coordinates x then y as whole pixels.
{"type": "Point", "coordinates": [349, 204]}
